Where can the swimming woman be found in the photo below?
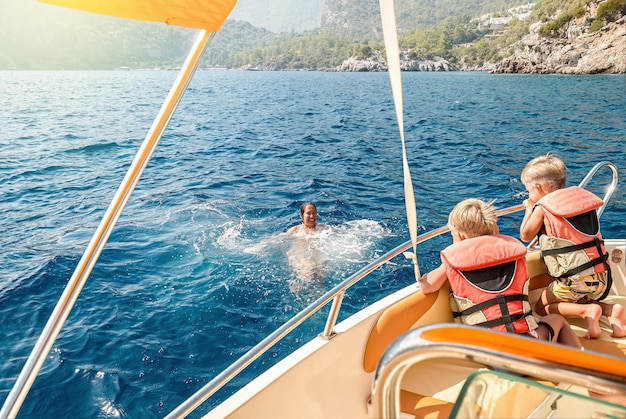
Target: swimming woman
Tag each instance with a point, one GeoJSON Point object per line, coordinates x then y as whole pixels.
{"type": "Point", "coordinates": [304, 256]}
{"type": "Point", "coordinates": [308, 214]}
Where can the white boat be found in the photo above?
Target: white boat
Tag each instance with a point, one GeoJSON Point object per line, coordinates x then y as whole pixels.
{"type": "Point", "coordinates": [401, 356]}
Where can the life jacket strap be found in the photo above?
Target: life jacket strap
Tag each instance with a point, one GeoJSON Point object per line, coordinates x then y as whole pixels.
{"type": "Point", "coordinates": [596, 242]}
{"type": "Point", "coordinates": [602, 259]}
{"type": "Point", "coordinates": [508, 321]}
{"type": "Point", "coordinates": [488, 303]}
{"type": "Point", "coordinates": [567, 249]}
{"type": "Point", "coordinates": [501, 300]}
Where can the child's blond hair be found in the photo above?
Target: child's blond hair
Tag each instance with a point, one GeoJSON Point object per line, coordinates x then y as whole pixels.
{"type": "Point", "coordinates": [474, 218]}
{"type": "Point", "coordinates": [548, 171]}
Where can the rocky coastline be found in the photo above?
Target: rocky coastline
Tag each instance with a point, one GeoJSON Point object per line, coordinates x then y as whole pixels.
{"type": "Point", "coordinates": [380, 64]}
{"type": "Point", "coordinates": [576, 51]}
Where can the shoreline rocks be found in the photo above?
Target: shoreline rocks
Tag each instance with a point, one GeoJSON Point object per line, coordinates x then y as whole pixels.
{"type": "Point", "coordinates": [378, 63]}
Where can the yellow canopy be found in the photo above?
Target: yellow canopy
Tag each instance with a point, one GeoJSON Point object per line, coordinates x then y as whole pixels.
{"type": "Point", "coordinates": [198, 14]}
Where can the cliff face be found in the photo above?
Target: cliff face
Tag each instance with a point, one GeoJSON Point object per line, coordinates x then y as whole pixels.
{"type": "Point", "coordinates": [575, 51]}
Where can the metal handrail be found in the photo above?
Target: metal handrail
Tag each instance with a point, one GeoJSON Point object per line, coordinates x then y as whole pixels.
{"type": "Point", "coordinates": [91, 254]}
{"type": "Point", "coordinates": [610, 189]}
{"type": "Point", "coordinates": [424, 344]}
{"type": "Point", "coordinates": [336, 294]}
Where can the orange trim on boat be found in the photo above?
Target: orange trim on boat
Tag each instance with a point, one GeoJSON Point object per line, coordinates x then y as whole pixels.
{"type": "Point", "coordinates": [396, 320]}
{"type": "Point", "coordinates": [516, 345]}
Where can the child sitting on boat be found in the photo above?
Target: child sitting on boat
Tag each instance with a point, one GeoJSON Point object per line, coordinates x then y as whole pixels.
{"type": "Point", "coordinates": [489, 279]}
{"type": "Point", "coordinates": [572, 247]}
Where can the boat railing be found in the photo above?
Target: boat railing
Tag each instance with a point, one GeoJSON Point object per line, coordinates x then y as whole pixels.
{"type": "Point", "coordinates": [336, 294]}
{"type": "Point", "coordinates": [64, 305]}
{"type": "Point", "coordinates": [545, 360]}
{"type": "Point", "coordinates": [610, 189]}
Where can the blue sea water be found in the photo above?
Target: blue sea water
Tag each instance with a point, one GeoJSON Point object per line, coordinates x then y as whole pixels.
{"type": "Point", "coordinates": [196, 272]}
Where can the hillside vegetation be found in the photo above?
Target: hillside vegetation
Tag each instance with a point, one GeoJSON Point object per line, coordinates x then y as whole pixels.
{"type": "Point", "coordinates": [450, 29]}
{"type": "Point", "coordinates": [352, 28]}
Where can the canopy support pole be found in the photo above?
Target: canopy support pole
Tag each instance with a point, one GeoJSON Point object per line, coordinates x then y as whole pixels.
{"type": "Point", "coordinates": [47, 338]}
{"type": "Point", "coordinates": [390, 34]}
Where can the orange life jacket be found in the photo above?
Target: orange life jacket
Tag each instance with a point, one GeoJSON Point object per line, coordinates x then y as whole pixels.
{"type": "Point", "coordinates": [570, 215]}
{"type": "Point", "coordinates": [489, 282]}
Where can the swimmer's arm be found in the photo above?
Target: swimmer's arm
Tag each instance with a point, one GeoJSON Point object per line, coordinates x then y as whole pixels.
{"type": "Point", "coordinates": [294, 229]}
{"type": "Point", "coordinates": [433, 280]}
{"type": "Point", "coordinates": [532, 222]}
{"type": "Point", "coordinates": [272, 239]}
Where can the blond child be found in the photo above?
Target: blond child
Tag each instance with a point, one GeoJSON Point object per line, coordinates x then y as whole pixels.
{"type": "Point", "coordinates": [572, 247]}
{"type": "Point", "coordinates": [488, 277]}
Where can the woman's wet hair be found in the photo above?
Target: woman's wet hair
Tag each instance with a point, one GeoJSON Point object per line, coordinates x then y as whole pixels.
{"type": "Point", "coordinates": [306, 204]}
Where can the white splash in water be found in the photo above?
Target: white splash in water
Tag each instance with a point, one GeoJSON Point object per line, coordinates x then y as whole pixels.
{"type": "Point", "coordinates": [231, 236]}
